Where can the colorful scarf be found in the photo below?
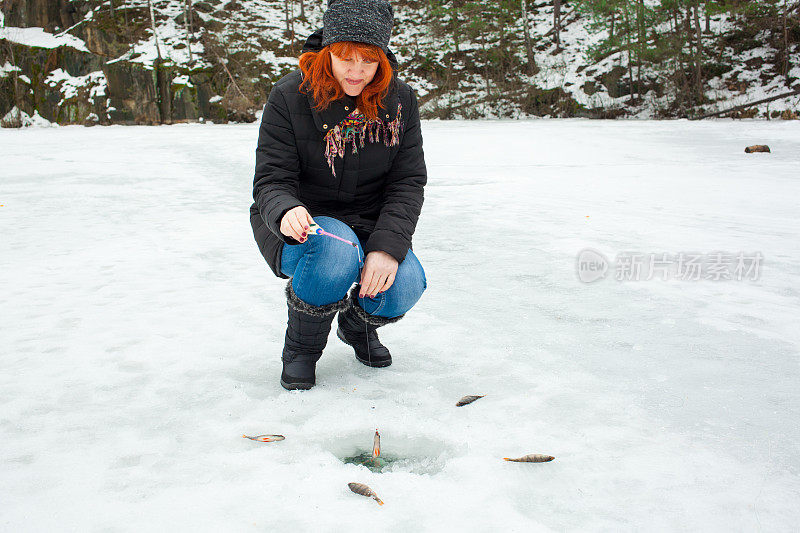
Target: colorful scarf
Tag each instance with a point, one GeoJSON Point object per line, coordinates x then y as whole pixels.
{"type": "Point", "coordinates": [355, 127]}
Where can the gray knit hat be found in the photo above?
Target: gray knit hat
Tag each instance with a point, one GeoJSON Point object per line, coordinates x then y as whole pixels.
{"type": "Point", "coordinates": [363, 21]}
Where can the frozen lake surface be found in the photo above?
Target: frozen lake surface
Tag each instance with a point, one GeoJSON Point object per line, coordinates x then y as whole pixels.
{"type": "Point", "coordinates": [142, 331]}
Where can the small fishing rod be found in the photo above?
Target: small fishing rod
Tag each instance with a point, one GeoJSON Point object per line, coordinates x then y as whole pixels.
{"type": "Point", "coordinates": [315, 229]}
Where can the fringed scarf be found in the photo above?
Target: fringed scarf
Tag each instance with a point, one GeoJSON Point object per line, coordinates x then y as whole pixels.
{"type": "Point", "coordinates": [355, 128]}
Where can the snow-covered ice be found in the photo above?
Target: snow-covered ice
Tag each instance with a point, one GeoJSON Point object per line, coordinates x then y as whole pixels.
{"type": "Point", "coordinates": [142, 333]}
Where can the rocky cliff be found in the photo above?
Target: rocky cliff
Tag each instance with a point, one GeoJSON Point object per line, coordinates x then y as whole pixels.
{"type": "Point", "coordinates": [72, 62]}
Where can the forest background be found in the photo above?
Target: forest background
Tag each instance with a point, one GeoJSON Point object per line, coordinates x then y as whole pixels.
{"type": "Point", "coordinates": [167, 61]}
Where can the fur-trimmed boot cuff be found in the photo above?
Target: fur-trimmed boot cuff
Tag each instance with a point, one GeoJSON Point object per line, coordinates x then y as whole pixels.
{"type": "Point", "coordinates": [357, 328]}
{"type": "Point", "coordinates": [297, 304]}
{"type": "Point", "coordinates": [372, 320]}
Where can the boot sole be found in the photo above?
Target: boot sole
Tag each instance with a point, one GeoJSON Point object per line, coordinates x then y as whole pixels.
{"type": "Point", "coordinates": [296, 386]}
{"type": "Point", "coordinates": [373, 364]}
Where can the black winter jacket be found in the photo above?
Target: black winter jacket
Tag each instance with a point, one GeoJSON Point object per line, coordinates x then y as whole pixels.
{"type": "Point", "coordinates": [377, 191]}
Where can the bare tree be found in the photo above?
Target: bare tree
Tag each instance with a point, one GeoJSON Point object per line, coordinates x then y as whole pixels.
{"type": "Point", "coordinates": [153, 26]}
{"type": "Point", "coordinates": [785, 44]}
{"type": "Point", "coordinates": [189, 6]}
{"type": "Point", "coordinates": [528, 47]}
{"type": "Point", "coordinates": [187, 14]}
{"type": "Point", "coordinates": [642, 38]}
{"type": "Point", "coordinates": [626, 19]}
{"type": "Point", "coordinates": [288, 9]}
{"type": "Point", "coordinates": [455, 24]}
{"type": "Point", "coordinates": [17, 92]}
{"type": "Point", "coordinates": [557, 23]}
{"type": "Point", "coordinates": [699, 56]}
{"type": "Point", "coordinates": [291, 3]}
{"type": "Point", "coordinates": [235, 101]}
{"type": "Point", "coordinates": [611, 25]}
{"type": "Point", "coordinates": [486, 66]}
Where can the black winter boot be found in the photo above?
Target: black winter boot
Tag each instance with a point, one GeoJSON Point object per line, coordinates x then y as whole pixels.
{"type": "Point", "coordinates": [357, 328]}
{"type": "Point", "coordinates": [306, 336]}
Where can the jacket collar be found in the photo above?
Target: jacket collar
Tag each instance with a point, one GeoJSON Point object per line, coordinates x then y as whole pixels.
{"type": "Point", "coordinates": [326, 119]}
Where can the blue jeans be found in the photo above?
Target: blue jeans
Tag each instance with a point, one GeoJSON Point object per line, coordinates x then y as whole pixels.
{"type": "Point", "coordinates": [323, 269]}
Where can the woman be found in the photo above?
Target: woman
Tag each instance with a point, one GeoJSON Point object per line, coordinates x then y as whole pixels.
{"type": "Point", "coordinates": [340, 146]}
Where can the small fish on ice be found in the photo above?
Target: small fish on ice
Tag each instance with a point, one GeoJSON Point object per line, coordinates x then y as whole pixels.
{"type": "Point", "coordinates": [466, 400]}
{"type": "Point", "coordinates": [364, 490]}
{"type": "Point", "coordinates": [266, 438]}
{"type": "Point", "coordinates": [531, 458]}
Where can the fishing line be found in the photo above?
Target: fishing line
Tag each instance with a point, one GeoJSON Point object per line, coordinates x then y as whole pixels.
{"type": "Point", "coordinates": [315, 229]}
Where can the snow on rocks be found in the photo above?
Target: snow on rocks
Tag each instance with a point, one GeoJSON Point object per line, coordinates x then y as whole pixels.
{"type": "Point", "coordinates": [7, 69]}
{"type": "Point", "coordinates": [17, 118]}
{"type": "Point", "coordinates": [37, 37]}
{"type": "Point", "coordinates": [182, 79]}
{"type": "Point", "coordinates": [95, 83]}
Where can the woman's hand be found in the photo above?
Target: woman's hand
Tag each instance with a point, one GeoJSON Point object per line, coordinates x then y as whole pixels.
{"type": "Point", "coordinates": [378, 273]}
{"type": "Point", "coordinates": [295, 223]}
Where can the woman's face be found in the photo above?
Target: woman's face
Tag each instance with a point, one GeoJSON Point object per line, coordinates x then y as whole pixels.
{"type": "Point", "coordinates": [353, 69]}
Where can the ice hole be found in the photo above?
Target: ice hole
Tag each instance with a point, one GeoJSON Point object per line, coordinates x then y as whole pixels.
{"type": "Point", "coordinates": [416, 455]}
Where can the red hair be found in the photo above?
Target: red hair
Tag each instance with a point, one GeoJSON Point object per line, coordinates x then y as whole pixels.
{"type": "Point", "coordinates": [318, 76]}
